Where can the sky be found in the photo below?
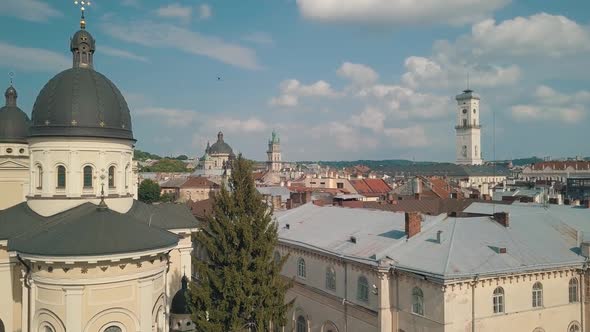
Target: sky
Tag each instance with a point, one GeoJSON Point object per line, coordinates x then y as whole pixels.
{"type": "Point", "coordinates": [337, 80]}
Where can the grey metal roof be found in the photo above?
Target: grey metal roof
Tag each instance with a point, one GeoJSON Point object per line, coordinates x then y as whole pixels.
{"type": "Point", "coordinates": [88, 230]}
{"type": "Point", "coordinates": [284, 192]}
{"type": "Point", "coordinates": [14, 123]}
{"type": "Point", "coordinates": [81, 102]}
{"type": "Point", "coordinates": [165, 215]}
{"type": "Point", "coordinates": [535, 239]}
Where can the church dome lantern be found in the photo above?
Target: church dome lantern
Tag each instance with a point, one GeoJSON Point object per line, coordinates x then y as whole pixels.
{"type": "Point", "coordinates": [220, 147]}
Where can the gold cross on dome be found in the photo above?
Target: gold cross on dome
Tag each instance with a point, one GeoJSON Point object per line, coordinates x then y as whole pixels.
{"type": "Point", "coordinates": [74, 122]}
{"type": "Point", "coordinates": [101, 123]}
{"type": "Point", "coordinates": [83, 4]}
{"type": "Point", "coordinates": [47, 122]}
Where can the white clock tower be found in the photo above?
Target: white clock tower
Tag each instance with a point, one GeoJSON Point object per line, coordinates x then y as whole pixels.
{"type": "Point", "coordinates": [468, 150]}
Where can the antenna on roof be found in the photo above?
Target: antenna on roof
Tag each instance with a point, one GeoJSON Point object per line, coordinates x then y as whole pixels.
{"type": "Point", "coordinates": [102, 205]}
{"type": "Point", "coordinates": [494, 152]}
{"type": "Point", "coordinates": [468, 79]}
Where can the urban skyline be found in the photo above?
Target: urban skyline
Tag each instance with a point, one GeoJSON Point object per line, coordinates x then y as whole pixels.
{"type": "Point", "coordinates": [335, 85]}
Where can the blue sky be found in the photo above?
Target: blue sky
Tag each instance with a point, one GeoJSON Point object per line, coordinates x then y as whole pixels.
{"type": "Point", "coordinates": [338, 80]}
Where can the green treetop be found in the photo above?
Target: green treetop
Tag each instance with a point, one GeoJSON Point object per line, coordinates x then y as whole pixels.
{"type": "Point", "coordinates": [239, 284]}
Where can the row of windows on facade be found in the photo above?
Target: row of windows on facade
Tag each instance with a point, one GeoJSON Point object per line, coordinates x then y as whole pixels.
{"type": "Point", "coordinates": [46, 327]}
{"type": "Point", "coordinates": [498, 299]}
{"type": "Point", "coordinates": [88, 177]}
{"type": "Point", "coordinates": [9, 150]}
{"type": "Point", "coordinates": [362, 293]}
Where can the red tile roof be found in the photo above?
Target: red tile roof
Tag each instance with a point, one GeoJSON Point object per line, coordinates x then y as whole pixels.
{"type": "Point", "coordinates": [371, 187]}
{"type": "Point", "coordinates": [199, 182]}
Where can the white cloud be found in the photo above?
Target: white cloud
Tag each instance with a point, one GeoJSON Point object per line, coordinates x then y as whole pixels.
{"type": "Point", "coordinates": [450, 72]}
{"type": "Point", "coordinates": [544, 112]}
{"type": "Point", "coordinates": [205, 11]}
{"type": "Point", "coordinates": [371, 118]}
{"type": "Point", "coordinates": [32, 59]}
{"type": "Point", "coordinates": [162, 35]}
{"type": "Point", "coordinates": [122, 54]}
{"type": "Point", "coordinates": [539, 35]}
{"type": "Point", "coordinates": [259, 37]}
{"type": "Point", "coordinates": [292, 89]}
{"type": "Point", "coordinates": [233, 125]}
{"type": "Point", "coordinates": [397, 12]}
{"type": "Point", "coordinates": [284, 100]}
{"type": "Point", "coordinates": [29, 10]}
{"type": "Point", "coordinates": [358, 73]}
{"type": "Point", "coordinates": [344, 136]}
{"type": "Point", "coordinates": [414, 136]}
{"type": "Point", "coordinates": [551, 105]}
{"type": "Point", "coordinates": [176, 11]}
{"type": "Point", "coordinates": [171, 117]}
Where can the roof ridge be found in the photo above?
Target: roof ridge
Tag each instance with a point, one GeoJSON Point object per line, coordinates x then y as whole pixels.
{"type": "Point", "coordinates": [448, 259]}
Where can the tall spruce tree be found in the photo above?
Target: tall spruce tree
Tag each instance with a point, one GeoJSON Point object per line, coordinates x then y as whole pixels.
{"type": "Point", "coordinates": [239, 285]}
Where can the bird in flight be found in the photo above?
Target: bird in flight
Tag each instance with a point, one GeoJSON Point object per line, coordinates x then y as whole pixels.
{"type": "Point", "coordinates": [218, 78]}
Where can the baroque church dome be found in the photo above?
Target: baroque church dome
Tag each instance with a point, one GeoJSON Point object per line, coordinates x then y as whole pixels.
{"type": "Point", "coordinates": [220, 147]}
{"type": "Point", "coordinates": [81, 101]}
{"type": "Point", "coordinates": [14, 123]}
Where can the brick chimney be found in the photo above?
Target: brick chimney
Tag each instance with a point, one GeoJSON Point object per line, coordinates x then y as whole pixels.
{"type": "Point", "coordinates": [413, 223]}
{"type": "Point", "coordinates": [503, 218]}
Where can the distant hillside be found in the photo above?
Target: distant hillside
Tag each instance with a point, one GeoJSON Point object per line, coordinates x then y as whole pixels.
{"type": "Point", "coordinates": [142, 155]}
{"type": "Point", "coordinates": [401, 163]}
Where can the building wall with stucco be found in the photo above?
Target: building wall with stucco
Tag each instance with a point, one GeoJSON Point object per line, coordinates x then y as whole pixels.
{"type": "Point", "coordinates": [14, 174]}
{"type": "Point", "coordinates": [454, 306]}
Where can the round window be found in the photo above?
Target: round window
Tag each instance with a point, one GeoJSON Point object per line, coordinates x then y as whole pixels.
{"type": "Point", "coordinates": [9, 150]}
{"type": "Point", "coordinates": [21, 151]}
{"type": "Point", "coordinates": [464, 111]}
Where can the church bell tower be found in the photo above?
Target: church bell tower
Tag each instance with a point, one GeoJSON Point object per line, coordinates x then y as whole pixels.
{"type": "Point", "coordinates": [274, 153]}
{"type": "Point", "coordinates": [468, 149]}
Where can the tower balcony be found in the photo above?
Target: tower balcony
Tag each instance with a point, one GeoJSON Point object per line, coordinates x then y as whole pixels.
{"type": "Point", "coordinates": [468, 127]}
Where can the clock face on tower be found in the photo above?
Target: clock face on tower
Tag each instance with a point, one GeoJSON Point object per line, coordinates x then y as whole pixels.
{"type": "Point", "coordinates": [464, 111]}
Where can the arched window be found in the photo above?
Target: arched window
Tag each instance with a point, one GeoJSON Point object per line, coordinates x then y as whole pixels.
{"type": "Point", "coordinates": [87, 176]}
{"type": "Point", "coordinates": [113, 328]}
{"type": "Point", "coordinates": [537, 295]}
{"type": "Point", "coordinates": [574, 327]}
{"type": "Point", "coordinates": [39, 177]}
{"type": "Point", "coordinates": [2, 326]}
{"type": "Point", "coordinates": [498, 300]}
{"type": "Point", "coordinates": [539, 329]}
{"type": "Point", "coordinates": [330, 278]}
{"type": "Point", "coordinates": [112, 177]}
{"type": "Point", "coordinates": [61, 176]}
{"type": "Point", "coordinates": [417, 301]}
{"type": "Point", "coordinates": [362, 289]}
{"type": "Point", "coordinates": [573, 290]}
{"type": "Point", "coordinates": [329, 327]}
{"type": "Point", "coordinates": [301, 272]}
{"type": "Point", "coordinates": [301, 324]}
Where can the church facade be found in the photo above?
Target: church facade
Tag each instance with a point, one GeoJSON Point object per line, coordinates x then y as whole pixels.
{"type": "Point", "coordinates": [78, 252]}
{"type": "Point", "coordinates": [216, 160]}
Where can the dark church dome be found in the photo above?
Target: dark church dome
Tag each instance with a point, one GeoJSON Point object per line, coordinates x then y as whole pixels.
{"type": "Point", "coordinates": [81, 101]}
{"type": "Point", "coordinates": [14, 123]}
{"type": "Point", "coordinates": [220, 147]}
{"type": "Point", "coordinates": [180, 304]}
